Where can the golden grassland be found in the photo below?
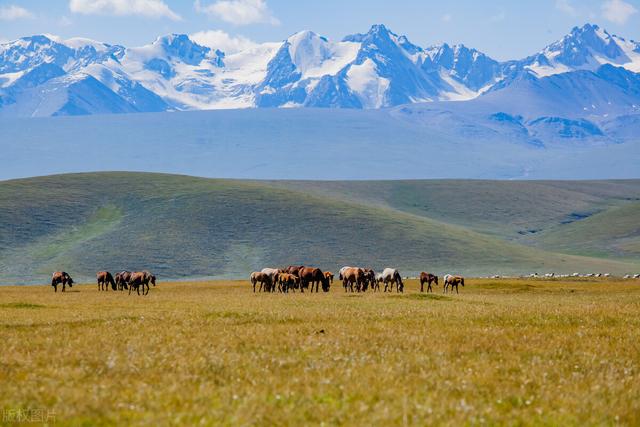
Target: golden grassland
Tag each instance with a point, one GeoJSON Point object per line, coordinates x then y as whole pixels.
{"type": "Point", "coordinates": [516, 352]}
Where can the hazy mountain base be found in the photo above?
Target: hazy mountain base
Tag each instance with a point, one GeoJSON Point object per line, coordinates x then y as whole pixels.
{"type": "Point", "coordinates": [183, 227]}
{"type": "Point", "coordinates": [308, 144]}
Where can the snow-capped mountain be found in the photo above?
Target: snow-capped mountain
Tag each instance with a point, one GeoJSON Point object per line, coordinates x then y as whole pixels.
{"type": "Point", "coordinates": [585, 48]}
{"type": "Point", "coordinates": [46, 76]}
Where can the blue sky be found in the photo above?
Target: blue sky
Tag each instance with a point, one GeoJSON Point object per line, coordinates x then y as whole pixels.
{"type": "Point", "coordinates": [503, 29]}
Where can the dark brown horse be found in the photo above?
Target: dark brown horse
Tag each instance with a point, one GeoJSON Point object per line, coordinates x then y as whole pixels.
{"type": "Point", "coordinates": [122, 280]}
{"type": "Point", "coordinates": [369, 279]}
{"type": "Point", "coordinates": [329, 275]}
{"type": "Point", "coordinates": [427, 278]}
{"type": "Point", "coordinates": [105, 279]}
{"type": "Point", "coordinates": [61, 277]}
{"type": "Point", "coordinates": [313, 276]}
{"type": "Point", "coordinates": [141, 279]}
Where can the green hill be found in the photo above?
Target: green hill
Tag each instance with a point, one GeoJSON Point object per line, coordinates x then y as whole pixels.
{"type": "Point", "coordinates": [185, 227]}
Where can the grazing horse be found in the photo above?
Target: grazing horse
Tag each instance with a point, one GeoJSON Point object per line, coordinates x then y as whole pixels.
{"type": "Point", "coordinates": [427, 278]}
{"type": "Point", "coordinates": [141, 279]}
{"type": "Point", "coordinates": [452, 281]}
{"type": "Point", "coordinates": [369, 279]}
{"type": "Point", "coordinates": [352, 276]}
{"type": "Point", "coordinates": [341, 276]}
{"type": "Point", "coordinates": [329, 275]}
{"type": "Point", "coordinates": [287, 281]}
{"type": "Point", "coordinates": [122, 280]}
{"type": "Point", "coordinates": [263, 279]}
{"type": "Point", "coordinates": [61, 277]}
{"type": "Point", "coordinates": [105, 279]}
{"type": "Point", "coordinates": [273, 276]}
{"type": "Point", "coordinates": [391, 276]}
{"type": "Point", "coordinates": [313, 276]}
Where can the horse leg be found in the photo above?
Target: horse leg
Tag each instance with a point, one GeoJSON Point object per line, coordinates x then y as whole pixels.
{"type": "Point", "coordinates": [457, 289]}
{"type": "Point", "coordinates": [55, 288]}
{"type": "Point", "coordinates": [63, 286]}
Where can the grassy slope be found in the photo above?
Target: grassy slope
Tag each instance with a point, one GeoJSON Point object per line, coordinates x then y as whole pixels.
{"type": "Point", "coordinates": [614, 231]}
{"type": "Point", "coordinates": [192, 227]}
{"type": "Point", "coordinates": [507, 352]}
{"type": "Point", "coordinates": [504, 208]}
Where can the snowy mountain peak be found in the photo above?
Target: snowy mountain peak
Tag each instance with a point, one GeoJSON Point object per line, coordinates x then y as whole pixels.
{"type": "Point", "coordinates": [375, 69]}
{"type": "Point", "coordinates": [314, 55]}
{"type": "Point", "coordinates": [181, 47]}
{"type": "Point", "coordinates": [585, 48]}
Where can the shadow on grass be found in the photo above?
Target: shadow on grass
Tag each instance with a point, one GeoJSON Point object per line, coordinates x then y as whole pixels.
{"type": "Point", "coordinates": [240, 318]}
{"type": "Point", "coordinates": [21, 305]}
{"type": "Point", "coordinates": [425, 297]}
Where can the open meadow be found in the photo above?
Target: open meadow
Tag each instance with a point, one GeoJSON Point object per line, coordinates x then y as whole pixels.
{"type": "Point", "coordinates": [509, 351]}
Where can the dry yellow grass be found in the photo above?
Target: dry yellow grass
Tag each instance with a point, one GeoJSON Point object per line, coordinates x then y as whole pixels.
{"type": "Point", "coordinates": [510, 352]}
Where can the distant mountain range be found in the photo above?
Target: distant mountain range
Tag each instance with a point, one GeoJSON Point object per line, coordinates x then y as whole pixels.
{"type": "Point", "coordinates": [570, 111]}
{"type": "Point", "coordinates": [46, 76]}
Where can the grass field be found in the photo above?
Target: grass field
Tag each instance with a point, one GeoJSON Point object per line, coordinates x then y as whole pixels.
{"type": "Point", "coordinates": [503, 352]}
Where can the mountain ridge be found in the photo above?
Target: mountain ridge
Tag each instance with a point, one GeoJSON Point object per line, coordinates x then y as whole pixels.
{"type": "Point", "coordinates": [372, 70]}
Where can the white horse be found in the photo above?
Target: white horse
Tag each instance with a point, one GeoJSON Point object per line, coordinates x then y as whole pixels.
{"type": "Point", "coordinates": [452, 281]}
{"type": "Point", "coordinates": [391, 276]}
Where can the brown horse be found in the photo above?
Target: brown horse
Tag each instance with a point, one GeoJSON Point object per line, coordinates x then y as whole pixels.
{"type": "Point", "coordinates": [105, 279]}
{"type": "Point", "coordinates": [293, 269]}
{"type": "Point", "coordinates": [141, 279]}
{"type": "Point", "coordinates": [452, 281]}
{"type": "Point", "coordinates": [287, 282]}
{"type": "Point", "coordinates": [352, 276]}
{"type": "Point", "coordinates": [329, 275]}
{"type": "Point", "coordinates": [122, 280]}
{"type": "Point", "coordinates": [61, 277]}
{"type": "Point", "coordinates": [313, 276]}
{"type": "Point", "coordinates": [262, 278]}
{"type": "Point", "coordinates": [427, 278]}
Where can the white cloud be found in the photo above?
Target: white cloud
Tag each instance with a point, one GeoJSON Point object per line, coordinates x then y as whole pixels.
{"type": "Point", "coordinates": [150, 8]}
{"type": "Point", "coordinates": [239, 12]}
{"type": "Point", "coordinates": [566, 7]}
{"type": "Point", "coordinates": [217, 39]}
{"type": "Point", "coordinates": [12, 12]}
{"type": "Point", "coordinates": [446, 17]}
{"type": "Point", "coordinates": [618, 11]}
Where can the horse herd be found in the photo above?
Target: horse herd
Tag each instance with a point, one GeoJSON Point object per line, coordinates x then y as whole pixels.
{"type": "Point", "coordinates": [354, 279]}
{"type": "Point", "coordinates": [138, 281]}
{"type": "Point", "coordinates": [284, 280]}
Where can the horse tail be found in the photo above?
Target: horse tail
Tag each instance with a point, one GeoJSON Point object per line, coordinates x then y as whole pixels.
{"type": "Point", "coordinates": [462, 281]}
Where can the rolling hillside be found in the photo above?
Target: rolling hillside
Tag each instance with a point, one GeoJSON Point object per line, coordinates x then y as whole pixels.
{"type": "Point", "coordinates": [184, 227]}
